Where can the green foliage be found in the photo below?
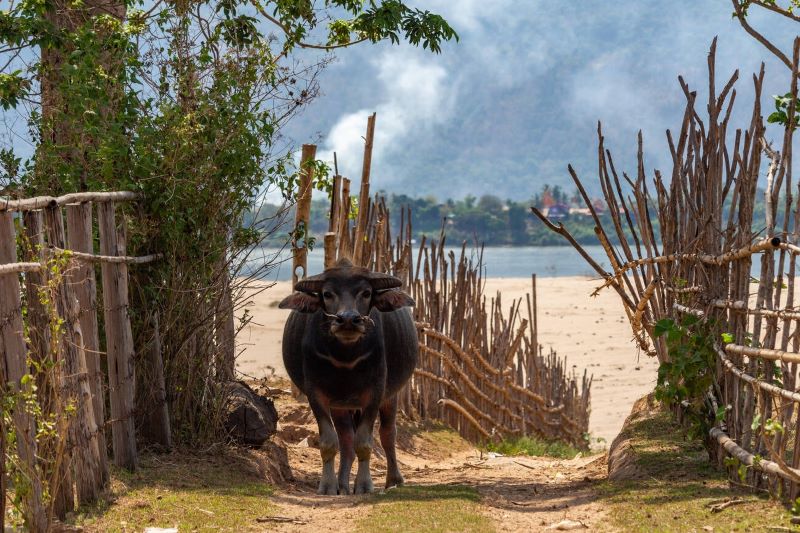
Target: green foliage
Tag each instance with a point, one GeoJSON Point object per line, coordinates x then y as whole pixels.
{"type": "Point", "coordinates": [533, 446]}
{"type": "Point", "coordinates": [389, 20]}
{"type": "Point", "coordinates": [781, 113]}
{"type": "Point", "coordinates": [686, 379]}
{"type": "Point", "coordinates": [35, 399]}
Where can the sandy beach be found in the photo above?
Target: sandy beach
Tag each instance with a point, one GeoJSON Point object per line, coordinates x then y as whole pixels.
{"type": "Point", "coordinates": [592, 333]}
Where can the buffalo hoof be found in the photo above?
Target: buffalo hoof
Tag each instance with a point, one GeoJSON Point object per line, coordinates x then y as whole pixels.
{"type": "Point", "coordinates": [328, 488]}
{"type": "Point", "coordinates": [364, 487]}
{"type": "Point", "coordinates": [394, 481]}
{"type": "Point", "coordinates": [344, 490]}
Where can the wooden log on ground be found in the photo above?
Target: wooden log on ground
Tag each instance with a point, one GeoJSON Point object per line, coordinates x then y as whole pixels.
{"type": "Point", "coordinates": [75, 380]}
{"type": "Point", "coordinates": [13, 368]}
{"type": "Point", "coordinates": [119, 339]}
{"type": "Point", "coordinates": [83, 281]}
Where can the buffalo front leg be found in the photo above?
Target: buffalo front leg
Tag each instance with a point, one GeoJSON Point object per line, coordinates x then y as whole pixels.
{"type": "Point", "coordinates": [388, 431]}
{"type": "Point", "coordinates": [328, 444]}
{"type": "Point", "coordinates": [343, 422]}
{"type": "Point", "coordinates": [363, 447]}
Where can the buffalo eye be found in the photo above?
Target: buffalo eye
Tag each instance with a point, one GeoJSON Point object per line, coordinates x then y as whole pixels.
{"type": "Point", "coordinates": [367, 294]}
{"type": "Point", "coordinates": [327, 295]}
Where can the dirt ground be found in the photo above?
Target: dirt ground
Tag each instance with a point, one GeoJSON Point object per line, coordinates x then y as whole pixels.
{"type": "Point", "coordinates": [517, 493]}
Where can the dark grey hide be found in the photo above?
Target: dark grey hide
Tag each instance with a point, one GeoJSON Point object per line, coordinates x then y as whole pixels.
{"type": "Point", "coordinates": [350, 345]}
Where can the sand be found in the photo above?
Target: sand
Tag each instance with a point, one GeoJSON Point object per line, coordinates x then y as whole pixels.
{"type": "Point", "coordinates": [592, 333]}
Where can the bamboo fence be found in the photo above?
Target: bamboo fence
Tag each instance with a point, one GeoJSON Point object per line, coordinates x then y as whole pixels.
{"type": "Point", "coordinates": [481, 368]}
{"type": "Point", "coordinates": [49, 330]}
{"type": "Point", "coordinates": [701, 265]}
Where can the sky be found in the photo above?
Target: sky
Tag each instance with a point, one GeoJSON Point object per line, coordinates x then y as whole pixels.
{"type": "Point", "coordinates": [505, 109]}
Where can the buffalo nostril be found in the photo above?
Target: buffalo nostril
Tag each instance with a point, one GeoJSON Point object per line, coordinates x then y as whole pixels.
{"type": "Point", "coordinates": [358, 320]}
{"type": "Point", "coordinates": [339, 319]}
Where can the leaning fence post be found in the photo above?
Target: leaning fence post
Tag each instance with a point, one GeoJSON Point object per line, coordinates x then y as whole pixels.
{"type": "Point", "coordinates": [119, 338]}
{"type": "Point", "coordinates": [13, 368]}
{"type": "Point", "coordinates": [82, 279]}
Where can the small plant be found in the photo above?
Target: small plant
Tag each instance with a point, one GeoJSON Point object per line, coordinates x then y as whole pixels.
{"type": "Point", "coordinates": [686, 378]}
{"type": "Point", "coordinates": [534, 447]}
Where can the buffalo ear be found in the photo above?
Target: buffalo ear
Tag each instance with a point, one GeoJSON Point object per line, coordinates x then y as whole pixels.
{"type": "Point", "coordinates": [301, 301]}
{"type": "Point", "coordinates": [391, 300]}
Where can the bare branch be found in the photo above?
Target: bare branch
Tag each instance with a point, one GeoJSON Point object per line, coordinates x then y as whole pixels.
{"type": "Point", "coordinates": [740, 15]}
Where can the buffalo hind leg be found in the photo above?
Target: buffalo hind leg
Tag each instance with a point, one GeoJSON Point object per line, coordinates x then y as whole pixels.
{"type": "Point", "coordinates": [328, 444]}
{"type": "Point", "coordinates": [388, 431]}
{"type": "Point", "coordinates": [343, 422]}
{"type": "Point", "coordinates": [363, 447]}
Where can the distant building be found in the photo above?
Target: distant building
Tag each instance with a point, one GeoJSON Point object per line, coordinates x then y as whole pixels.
{"type": "Point", "coordinates": [556, 212]}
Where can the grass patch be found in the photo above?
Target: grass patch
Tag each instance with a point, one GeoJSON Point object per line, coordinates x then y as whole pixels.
{"type": "Point", "coordinates": [193, 493]}
{"type": "Point", "coordinates": [676, 484]}
{"type": "Point", "coordinates": [433, 508]}
{"type": "Point", "coordinates": [534, 447]}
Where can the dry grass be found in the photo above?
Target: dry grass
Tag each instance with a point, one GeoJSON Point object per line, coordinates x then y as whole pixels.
{"type": "Point", "coordinates": [424, 509]}
{"type": "Point", "coordinates": [193, 492]}
{"type": "Point", "coordinates": [677, 485]}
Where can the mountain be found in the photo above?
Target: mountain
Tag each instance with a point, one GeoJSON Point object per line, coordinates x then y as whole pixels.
{"type": "Point", "coordinates": [505, 110]}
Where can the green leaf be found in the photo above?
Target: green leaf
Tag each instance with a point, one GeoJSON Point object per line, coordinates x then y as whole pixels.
{"type": "Point", "coordinates": [662, 326]}
{"type": "Point", "coordinates": [756, 422]}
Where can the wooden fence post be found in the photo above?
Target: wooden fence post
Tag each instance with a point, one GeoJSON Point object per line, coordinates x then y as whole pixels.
{"type": "Point", "coordinates": [13, 367]}
{"type": "Point", "coordinates": [225, 330]}
{"type": "Point", "coordinates": [302, 216]}
{"type": "Point", "coordinates": [330, 249]}
{"type": "Point", "coordinates": [75, 382]}
{"type": "Point", "coordinates": [84, 283]}
{"type": "Point", "coordinates": [119, 338]}
{"type": "Point", "coordinates": [157, 427]}
{"type": "Point", "coordinates": [363, 199]}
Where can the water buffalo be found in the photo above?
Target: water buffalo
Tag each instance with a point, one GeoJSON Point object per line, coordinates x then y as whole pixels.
{"type": "Point", "coordinates": [350, 344]}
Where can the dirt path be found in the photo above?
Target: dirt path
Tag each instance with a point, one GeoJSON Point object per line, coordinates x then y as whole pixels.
{"type": "Point", "coordinates": [516, 493]}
